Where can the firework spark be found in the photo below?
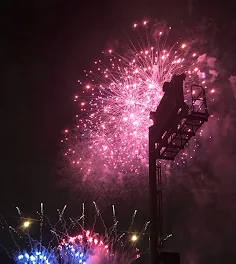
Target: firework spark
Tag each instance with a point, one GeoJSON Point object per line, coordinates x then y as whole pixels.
{"type": "Point", "coordinates": [81, 248]}
{"type": "Point", "coordinates": [63, 246]}
{"type": "Point", "coordinates": [117, 95]}
{"type": "Point", "coordinates": [37, 256]}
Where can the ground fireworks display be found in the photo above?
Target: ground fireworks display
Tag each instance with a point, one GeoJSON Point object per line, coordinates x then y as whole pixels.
{"type": "Point", "coordinates": [70, 243]}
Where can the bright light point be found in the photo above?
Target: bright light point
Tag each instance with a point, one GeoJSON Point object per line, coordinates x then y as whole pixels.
{"type": "Point", "coordinates": [135, 25]}
{"type": "Point", "coordinates": [183, 46]}
{"type": "Point", "coordinates": [213, 90]}
{"type": "Point", "coordinates": [66, 130]}
{"type": "Point", "coordinates": [145, 22]}
{"type": "Point", "coordinates": [88, 86]}
{"type": "Point", "coordinates": [110, 51]}
{"type": "Point", "coordinates": [134, 238]}
{"type": "Point", "coordinates": [203, 75]}
{"type": "Point", "coordinates": [26, 224]}
{"type": "Point", "coordinates": [160, 33]}
{"type": "Point", "coordinates": [194, 54]}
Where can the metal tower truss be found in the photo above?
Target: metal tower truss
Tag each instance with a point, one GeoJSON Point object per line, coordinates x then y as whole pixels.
{"type": "Point", "coordinates": [160, 210]}
{"type": "Point", "coordinates": [174, 123]}
{"type": "Point", "coordinates": [175, 139]}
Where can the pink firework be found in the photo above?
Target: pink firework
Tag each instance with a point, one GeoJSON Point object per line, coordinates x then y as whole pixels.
{"type": "Point", "coordinates": [82, 248]}
{"type": "Point", "coordinates": [90, 248]}
{"type": "Point", "coordinates": [117, 95]}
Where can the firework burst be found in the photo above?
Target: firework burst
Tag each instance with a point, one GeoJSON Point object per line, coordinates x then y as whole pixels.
{"type": "Point", "coordinates": [117, 95]}
{"type": "Point", "coordinates": [82, 247]}
{"type": "Point", "coordinates": [70, 243]}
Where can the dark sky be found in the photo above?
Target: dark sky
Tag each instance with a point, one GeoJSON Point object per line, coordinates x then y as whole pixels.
{"type": "Point", "coordinates": [45, 46]}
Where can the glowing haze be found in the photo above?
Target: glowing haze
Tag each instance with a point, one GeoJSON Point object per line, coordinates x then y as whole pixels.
{"type": "Point", "coordinates": [116, 95]}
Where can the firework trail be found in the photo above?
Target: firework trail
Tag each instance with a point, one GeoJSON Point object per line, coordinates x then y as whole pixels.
{"type": "Point", "coordinates": [70, 243]}
{"type": "Point", "coordinates": [116, 96]}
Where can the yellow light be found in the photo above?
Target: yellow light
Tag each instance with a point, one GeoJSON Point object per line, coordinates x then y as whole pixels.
{"type": "Point", "coordinates": [134, 238]}
{"type": "Point", "coordinates": [26, 224]}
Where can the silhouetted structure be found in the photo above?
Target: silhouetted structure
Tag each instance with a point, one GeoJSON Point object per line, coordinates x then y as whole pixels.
{"type": "Point", "coordinates": [174, 124]}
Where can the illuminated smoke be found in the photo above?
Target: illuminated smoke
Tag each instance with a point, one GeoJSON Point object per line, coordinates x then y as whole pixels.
{"type": "Point", "coordinates": [115, 98]}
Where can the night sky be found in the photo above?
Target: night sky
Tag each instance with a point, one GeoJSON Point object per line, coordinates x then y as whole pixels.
{"type": "Point", "coordinates": [45, 46]}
